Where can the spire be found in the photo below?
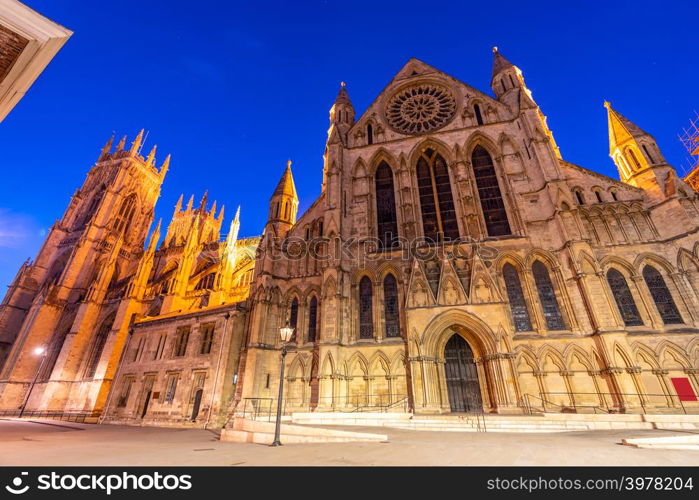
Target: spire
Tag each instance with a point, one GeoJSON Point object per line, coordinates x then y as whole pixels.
{"type": "Point", "coordinates": [204, 199]}
{"type": "Point", "coordinates": [178, 206]}
{"type": "Point", "coordinates": [136, 144]}
{"type": "Point", "coordinates": [154, 237]}
{"type": "Point", "coordinates": [212, 212]}
{"type": "Point", "coordinates": [220, 214]}
{"type": "Point", "coordinates": [342, 96]}
{"type": "Point", "coordinates": [151, 156]}
{"type": "Point", "coordinates": [165, 166]}
{"type": "Point", "coordinates": [120, 146]}
{"type": "Point", "coordinates": [286, 186]}
{"type": "Point", "coordinates": [190, 203]}
{"type": "Point", "coordinates": [237, 214]}
{"type": "Point", "coordinates": [107, 147]}
{"type": "Point", "coordinates": [621, 129]}
{"type": "Point", "coordinates": [500, 63]}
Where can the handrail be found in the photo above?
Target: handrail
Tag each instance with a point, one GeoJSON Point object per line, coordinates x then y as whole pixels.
{"type": "Point", "coordinates": [609, 402]}
{"type": "Point", "coordinates": [64, 416]}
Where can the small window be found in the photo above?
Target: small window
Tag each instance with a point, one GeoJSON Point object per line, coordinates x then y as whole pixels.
{"type": "Point", "coordinates": [598, 195]}
{"type": "Point", "coordinates": [512, 81]}
{"type": "Point", "coordinates": [294, 317]}
{"type": "Point", "coordinates": [207, 337]}
{"type": "Point", "coordinates": [614, 195]}
{"type": "Point", "coordinates": [390, 296]}
{"type": "Point", "coordinates": [369, 134]}
{"type": "Point", "coordinates": [634, 160]}
{"type": "Point", "coordinates": [267, 382]}
{"type": "Point", "coordinates": [502, 83]}
{"type": "Point", "coordinates": [181, 340]}
{"type": "Point", "coordinates": [477, 112]}
{"type": "Point", "coordinates": [171, 388]}
{"type": "Point", "coordinates": [579, 197]}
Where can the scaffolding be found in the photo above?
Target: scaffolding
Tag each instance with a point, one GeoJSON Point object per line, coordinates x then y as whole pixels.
{"type": "Point", "coordinates": [690, 140]}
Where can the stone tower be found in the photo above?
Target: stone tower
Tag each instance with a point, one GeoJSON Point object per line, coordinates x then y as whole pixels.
{"type": "Point", "coordinates": [72, 300]}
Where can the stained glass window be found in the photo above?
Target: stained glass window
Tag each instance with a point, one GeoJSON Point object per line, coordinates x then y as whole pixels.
{"type": "Point", "coordinates": [436, 201]}
{"type": "Point", "coordinates": [390, 297]}
{"type": "Point", "coordinates": [387, 229]}
{"type": "Point", "coordinates": [312, 319]}
{"type": "Point", "coordinates": [661, 296]}
{"type": "Point", "coordinates": [489, 193]}
{"type": "Point", "coordinates": [294, 317]}
{"type": "Point", "coordinates": [547, 296]}
{"type": "Point", "coordinates": [624, 299]}
{"type": "Point", "coordinates": [518, 306]}
{"type": "Point", "coordinates": [366, 320]}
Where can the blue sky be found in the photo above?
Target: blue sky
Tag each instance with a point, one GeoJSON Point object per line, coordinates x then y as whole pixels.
{"type": "Point", "coordinates": [233, 89]}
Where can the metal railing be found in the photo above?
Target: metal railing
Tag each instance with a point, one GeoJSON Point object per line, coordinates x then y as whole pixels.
{"type": "Point", "coordinates": [263, 408]}
{"type": "Point", "coordinates": [607, 402]}
{"type": "Point", "coordinates": [80, 417]}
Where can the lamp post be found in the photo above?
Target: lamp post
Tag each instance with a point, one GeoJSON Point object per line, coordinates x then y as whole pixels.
{"type": "Point", "coordinates": [286, 332]}
{"type": "Point", "coordinates": [39, 351]}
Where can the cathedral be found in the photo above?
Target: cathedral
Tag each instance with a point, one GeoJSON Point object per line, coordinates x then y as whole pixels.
{"type": "Point", "coordinates": [453, 262]}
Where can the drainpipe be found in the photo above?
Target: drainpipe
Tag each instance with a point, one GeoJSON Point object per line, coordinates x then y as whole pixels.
{"type": "Point", "coordinates": [218, 369]}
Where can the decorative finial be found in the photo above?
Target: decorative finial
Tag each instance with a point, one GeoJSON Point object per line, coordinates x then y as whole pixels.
{"type": "Point", "coordinates": [288, 163]}
{"type": "Point", "coordinates": [607, 104]}
{"type": "Point", "coordinates": [343, 84]}
{"type": "Point", "coordinates": [495, 49]}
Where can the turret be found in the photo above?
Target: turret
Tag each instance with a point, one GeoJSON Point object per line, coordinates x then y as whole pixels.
{"type": "Point", "coordinates": [341, 115]}
{"type": "Point", "coordinates": [637, 156]}
{"type": "Point", "coordinates": [283, 204]}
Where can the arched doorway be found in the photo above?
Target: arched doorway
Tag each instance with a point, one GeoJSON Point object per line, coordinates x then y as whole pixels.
{"type": "Point", "coordinates": [197, 404]}
{"type": "Point", "coordinates": [462, 376]}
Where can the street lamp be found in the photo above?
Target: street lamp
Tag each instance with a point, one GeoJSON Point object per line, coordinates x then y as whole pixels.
{"type": "Point", "coordinates": [39, 351]}
{"type": "Point", "coordinates": [285, 332]}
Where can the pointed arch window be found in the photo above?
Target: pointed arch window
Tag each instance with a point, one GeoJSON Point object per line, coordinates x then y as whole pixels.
{"type": "Point", "coordinates": [518, 306]}
{"type": "Point", "coordinates": [125, 214]}
{"type": "Point", "coordinates": [98, 346]}
{"type": "Point", "coordinates": [634, 160]}
{"type": "Point", "coordinates": [387, 224]}
{"type": "Point", "coordinates": [661, 296]}
{"type": "Point", "coordinates": [547, 296]}
{"type": "Point", "coordinates": [477, 112]}
{"type": "Point", "coordinates": [436, 201]}
{"type": "Point", "coordinates": [489, 193]}
{"type": "Point", "coordinates": [294, 316]}
{"type": "Point", "coordinates": [312, 319]}
{"type": "Point", "coordinates": [366, 319]}
{"type": "Point", "coordinates": [390, 300]}
{"type": "Point", "coordinates": [369, 134]}
{"type": "Point", "coordinates": [624, 299]}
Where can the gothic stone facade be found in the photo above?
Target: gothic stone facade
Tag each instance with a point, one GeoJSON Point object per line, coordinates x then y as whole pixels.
{"type": "Point", "coordinates": [529, 278]}
{"type": "Point", "coordinates": [454, 261]}
{"type": "Point", "coordinates": [92, 283]}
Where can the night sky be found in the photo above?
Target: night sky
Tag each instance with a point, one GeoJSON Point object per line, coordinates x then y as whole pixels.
{"type": "Point", "coordinates": [234, 89]}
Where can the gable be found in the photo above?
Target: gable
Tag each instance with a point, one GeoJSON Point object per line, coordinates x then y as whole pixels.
{"type": "Point", "coordinates": [436, 102]}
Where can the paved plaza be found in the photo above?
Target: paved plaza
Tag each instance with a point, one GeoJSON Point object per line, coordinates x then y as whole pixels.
{"type": "Point", "coordinates": [59, 443]}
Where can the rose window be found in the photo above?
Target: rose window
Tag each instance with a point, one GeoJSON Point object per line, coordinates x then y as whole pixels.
{"type": "Point", "coordinates": [420, 109]}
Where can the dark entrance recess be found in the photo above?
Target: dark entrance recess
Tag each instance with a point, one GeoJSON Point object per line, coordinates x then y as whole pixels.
{"type": "Point", "coordinates": [197, 404]}
{"type": "Point", "coordinates": [145, 404]}
{"type": "Point", "coordinates": [462, 376]}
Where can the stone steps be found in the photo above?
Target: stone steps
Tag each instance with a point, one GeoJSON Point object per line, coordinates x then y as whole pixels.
{"type": "Point", "coordinates": [241, 430]}
{"type": "Point", "coordinates": [549, 422]}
